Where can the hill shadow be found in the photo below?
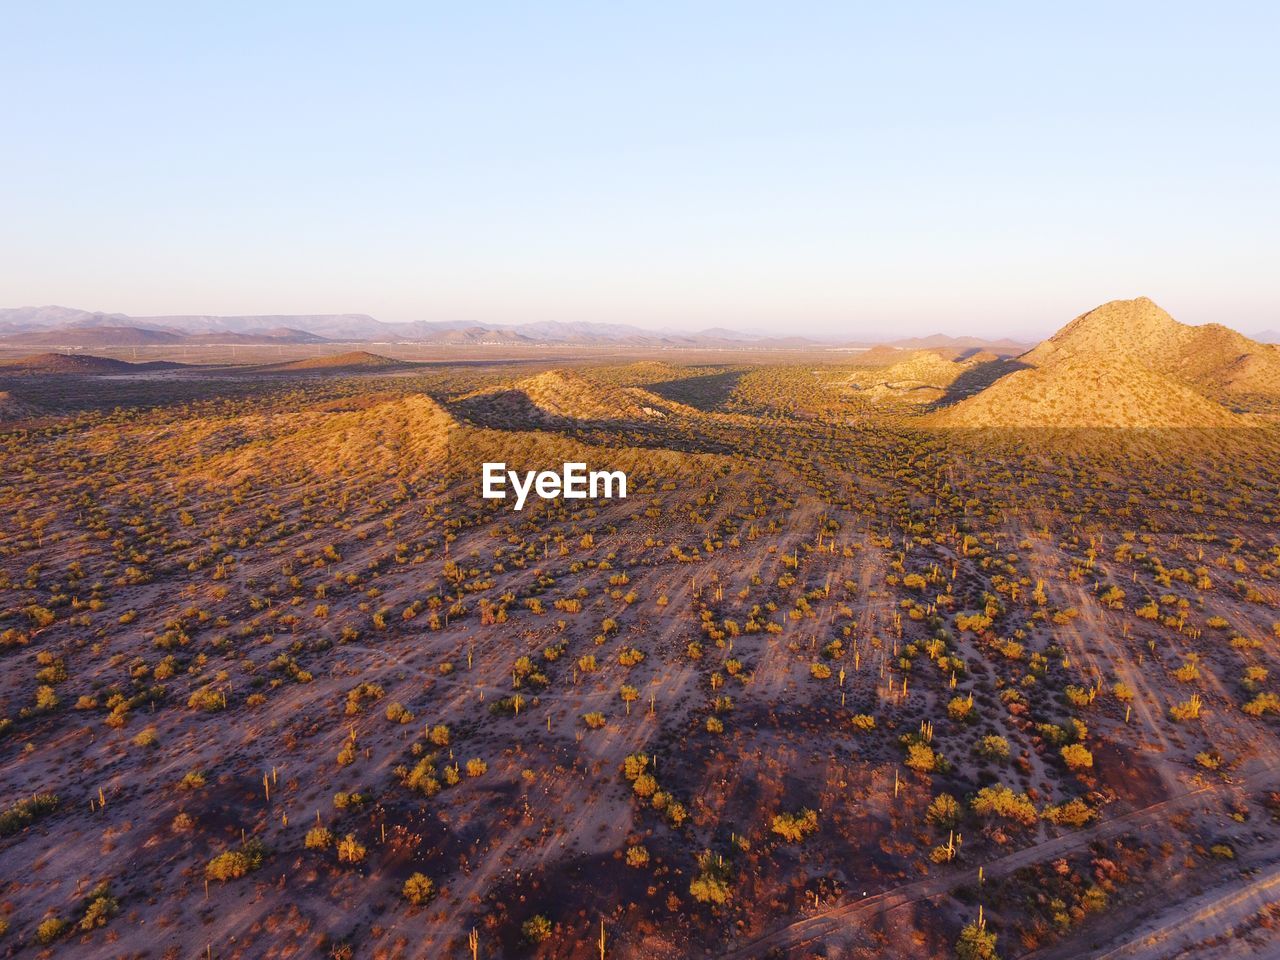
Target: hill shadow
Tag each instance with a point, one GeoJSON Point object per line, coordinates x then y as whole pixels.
{"type": "Point", "coordinates": [705, 392]}
{"type": "Point", "coordinates": [500, 410]}
{"type": "Point", "coordinates": [515, 410]}
{"type": "Point", "coordinates": [512, 411]}
{"type": "Point", "coordinates": [976, 379]}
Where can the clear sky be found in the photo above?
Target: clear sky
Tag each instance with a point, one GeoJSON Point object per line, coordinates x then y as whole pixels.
{"type": "Point", "coordinates": [793, 166]}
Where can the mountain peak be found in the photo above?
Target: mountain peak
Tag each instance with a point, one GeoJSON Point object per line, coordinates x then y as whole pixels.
{"type": "Point", "coordinates": [1139, 329]}
{"type": "Point", "coordinates": [1139, 313]}
{"type": "Point", "coordinates": [1127, 363]}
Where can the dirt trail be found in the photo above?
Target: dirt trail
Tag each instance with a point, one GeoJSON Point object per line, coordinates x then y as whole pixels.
{"type": "Point", "coordinates": [520, 847]}
{"type": "Point", "coordinates": [829, 922]}
{"type": "Point", "coordinates": [1185, 929]}
{"type": "Point", "coordinates": [1114, 662]}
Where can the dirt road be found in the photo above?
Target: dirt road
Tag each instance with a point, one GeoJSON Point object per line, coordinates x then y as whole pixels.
{"type": "Point", "coordinates": [818, 926]}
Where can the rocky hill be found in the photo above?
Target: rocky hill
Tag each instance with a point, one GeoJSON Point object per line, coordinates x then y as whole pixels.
{"type": "Point", "coordinates": [405, 437]}
{"type": "Point", "coordinates": [1211, 358]}
{"type": "Point", "coordinates": [1126, 363]}
{"type": "Point", "coordinates": [1080, 393]}
{"type": "Point", "coordinates": [919, 377]}
{"type": "Point", "coordinates": [559, 397]}
{"type": "Point", "coordinates": [81, 364]}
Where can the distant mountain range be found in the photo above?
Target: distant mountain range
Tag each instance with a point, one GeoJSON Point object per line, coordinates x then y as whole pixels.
{"type": "Point", "coordinates": [68, 327]}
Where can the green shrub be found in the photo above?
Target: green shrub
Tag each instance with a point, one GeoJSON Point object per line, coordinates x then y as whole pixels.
{"type": "Point", "coordinates": [50, 929]}
{"type": "Point", "coordinates": [418, 889]}
{"type": "Point", "coordinates": [993, 748]}
{"type": "Point", "coordinates": [100, 906]}
{"type": "Point", "coordinates": [944, 811]}
{"type": "Point", "coordinates": [1000, 801]}
{"type": "Point", "coordinates": [711, 885]}
{"type": "Point", "coordinates": [794, 827]}
{"type": "Point", "coordinates": [537, 929]}
{"type": "Point", "coordinates": [976, 943]}
{"type": "Point", "coordinates": [1077, 757]}
{"type": "Point", "coordinates": [233, 864]}
{"type": "Point", "coordinates": [27, 811]}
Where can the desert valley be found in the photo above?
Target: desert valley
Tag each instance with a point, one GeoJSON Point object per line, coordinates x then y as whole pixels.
{"type": "Point", "coordinates": [964, 649]}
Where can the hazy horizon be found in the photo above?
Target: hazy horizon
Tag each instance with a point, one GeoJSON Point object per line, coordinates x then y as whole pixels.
{"type": "Point", "coordinates": [871, 331]}
{"type": "Point", "coordinates": [820, 170]}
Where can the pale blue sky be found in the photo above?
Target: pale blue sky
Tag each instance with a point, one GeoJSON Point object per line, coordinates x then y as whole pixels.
{"type": "Point", "coordinates": [798, 166]}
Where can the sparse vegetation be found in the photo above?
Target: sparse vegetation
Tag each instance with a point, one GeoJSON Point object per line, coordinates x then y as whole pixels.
{"type": "Point", "coordinates": [821, 647]}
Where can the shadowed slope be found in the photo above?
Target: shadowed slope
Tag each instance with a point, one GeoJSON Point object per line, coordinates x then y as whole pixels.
{"type": "Point", "coordinates": [12, 408]}
{"type": "Point", "coordinates": [1126, 364]}
{"type": "Point", "coordinates": [565, 397]}
{"type": "Point", "coordinates": [355, 360]}
{"type": "Point", "coordinates": [1088, 392]}
{"type": "Point", "coordinates": [82, 364]}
